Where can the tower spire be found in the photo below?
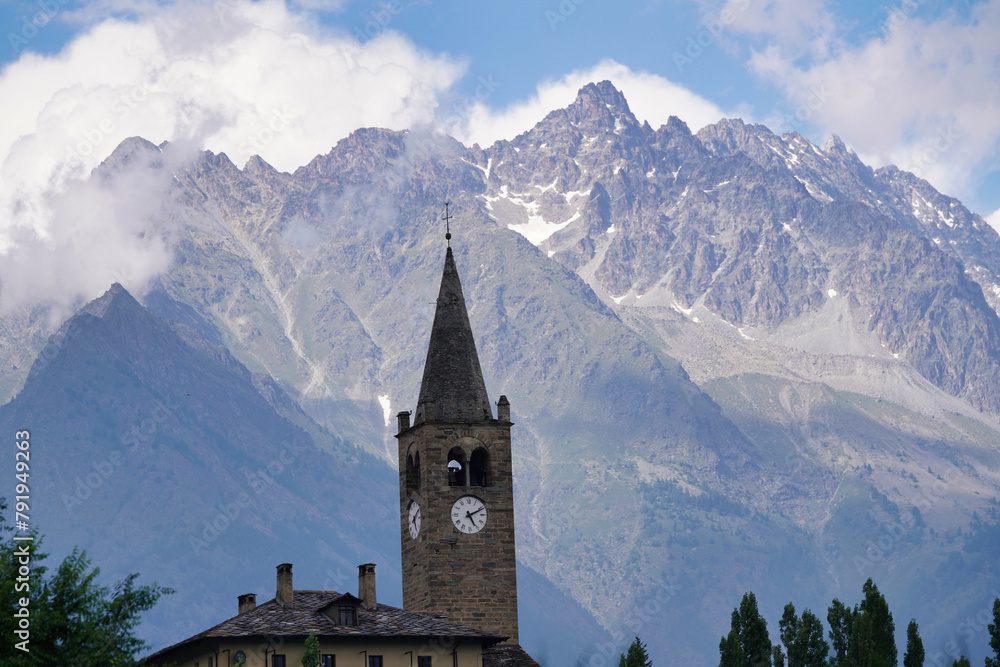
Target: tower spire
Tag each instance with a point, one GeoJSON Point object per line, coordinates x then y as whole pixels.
{"type": "Point", "coordinates": [452, 388]}
{"type": "Point", "coordinates": [447, 224]}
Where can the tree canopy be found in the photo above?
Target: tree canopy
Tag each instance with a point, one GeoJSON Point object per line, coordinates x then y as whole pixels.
{"type": "Point", "coordinates": [747, 644]}
{"type": "Point", "coordinates": [72, 619]}
{"type": "Point", "coordinates": [636, 656]}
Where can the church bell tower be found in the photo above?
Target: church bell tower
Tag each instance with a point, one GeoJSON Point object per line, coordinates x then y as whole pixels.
{"type": "Point", "coordinates": [456, 491]}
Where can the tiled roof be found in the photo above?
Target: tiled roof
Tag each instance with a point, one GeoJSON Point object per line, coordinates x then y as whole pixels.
{"type": "Point", "coordinates": [304, 615]}
{"type": "Point", "coordinates": [507, 655]}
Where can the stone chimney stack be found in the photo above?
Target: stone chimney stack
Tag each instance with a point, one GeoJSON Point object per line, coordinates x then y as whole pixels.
{"type": "Point", "coordinates": [366, 585]}
{"type": "Point", "coordinates": [503, 409]}
{"type": "Point", "coordinates": [248, 602]}
{"type": "Point", "coordinates": [404, 420]}
{"type": "Point", "coordinates": [284, 595]}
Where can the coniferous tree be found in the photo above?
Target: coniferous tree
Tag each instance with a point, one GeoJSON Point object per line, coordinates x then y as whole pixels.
{"type": "Point", "coordinates": [310, 657]}
{"type": "Point", "coordinates": [840, 617]}
{"type": "Point", "coordinates": [914, 656]}
{"type": "Point", "coordinates": [812, 647]}
{"type": "Point", "coordinates": [994, 630]}
{"type": "Point", "coordinates": [777, 657]}
{"type": "Point", "coordinates": [803, 638]}
{"type": "Point", "coordinates": [872, 641]}
{"type": "Point", "coordinates": [636, 656]}
{"type": "Point", "coordinates": [961, 662]}
{"type": "Point", "coordinates": [747, 644]}
{"type": "Point", "coordinates": [787, 630]}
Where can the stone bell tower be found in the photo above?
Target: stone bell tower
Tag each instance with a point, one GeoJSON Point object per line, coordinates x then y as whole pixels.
{"type": "Point", "coordinates": [456, 492]}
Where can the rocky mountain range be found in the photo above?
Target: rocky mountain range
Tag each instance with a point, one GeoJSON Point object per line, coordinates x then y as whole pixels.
{"type": "Point", "coordinates": [736, 361]}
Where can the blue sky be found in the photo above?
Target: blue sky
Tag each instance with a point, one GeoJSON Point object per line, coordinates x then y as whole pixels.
{"type": "Point", "coordinates": [910, 82]}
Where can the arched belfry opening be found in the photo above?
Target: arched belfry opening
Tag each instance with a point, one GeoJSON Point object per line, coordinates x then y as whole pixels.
{"type": "Point", "coordinates": [413, 472]}
{"type": "Point", "coordinates": [458, 467]}
{"type": "Point", "coordinates": [479, 467]}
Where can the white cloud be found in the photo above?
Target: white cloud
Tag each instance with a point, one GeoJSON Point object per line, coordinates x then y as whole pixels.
{"type": "Point", "coordinates": [922, 95]}
{"type": "Point", "coordinates": [796, 27]}
{"type": "Point", "coordinates": [651, 98]}
{"type": "Point", "coordinates": [994, 219]}
{"type": "Point", "coordinates": [236, 77]}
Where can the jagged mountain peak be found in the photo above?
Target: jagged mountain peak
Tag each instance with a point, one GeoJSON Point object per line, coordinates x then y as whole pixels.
{"type": "Point", "coordinates": [836, 145]}
{"type": "Point", "coordinates": [129, 153]}
{"type": "Point", "coordinates": [115, 297]}
{"type": "Point", "coordinates": [600, 106]}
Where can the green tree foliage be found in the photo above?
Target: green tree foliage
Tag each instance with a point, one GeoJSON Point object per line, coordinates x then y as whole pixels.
{"type": "Point", "coordinates": [839, 616]}
{"type": "Point", "coordinates": [914, 656]}
{"type": "Point", "coordinates": [994, 629]}
{"type": "Point", "coordinates": [777, 656]}
{"type": "Point", "coordinates": [863, 636]}
{"type": "Point", "coordinates": [803, 638]}
{"type": "Point", "coordinates": [961, 662]}
{"type": "Point", "coordinates": [310, 657]}
{"type": "Point", "coordinates": [636, 656]}
{"type": "Point", "coordinates": [747, 644]}
{"type": "Point", "coordinates": [73, 620]}
{"type": "Point", "coordinates": [872, 642]}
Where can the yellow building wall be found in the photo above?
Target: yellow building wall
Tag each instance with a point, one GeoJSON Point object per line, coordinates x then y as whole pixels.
{"type": "Point", "coordinates": [349, 653]}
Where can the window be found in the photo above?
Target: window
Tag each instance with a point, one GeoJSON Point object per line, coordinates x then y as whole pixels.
{"type": "Point", "coordinates": [277, 661]}
{"type": "Point", "coordinates": [413, 472]}
{"type": "Point", "coordinates": [374, 661]}
{"type": "Point", "coordinates": [479, 467]}
{"type": "Point", "coordinates": [423, 661]}
{"type": "Point", "coordinates": [348, 615]}
{"type": "Point", "coordinates": [458, 471]}
{"type": "Point", "coordinates": [327, 660]}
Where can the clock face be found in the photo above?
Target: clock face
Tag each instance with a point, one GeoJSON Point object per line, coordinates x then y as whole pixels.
{"type": "Point", "coordinates": [468, 514]}
{"type": "Point", "coordinates": [413, 512]}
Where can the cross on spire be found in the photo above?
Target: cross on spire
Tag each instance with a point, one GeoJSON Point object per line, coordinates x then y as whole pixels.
{"type": "Point", "coordinates": [447, 223]}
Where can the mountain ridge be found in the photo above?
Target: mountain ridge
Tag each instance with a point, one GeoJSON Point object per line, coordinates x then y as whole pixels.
{"type": "Point", "coordinates": [726, 366]}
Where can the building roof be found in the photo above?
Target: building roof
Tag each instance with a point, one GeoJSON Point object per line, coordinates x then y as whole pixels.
{"type": "Point", "coordinates": [304, 614]}
{"type": "Point", "coordinates": [452, 389]}
{"type": "Point", "coordinates": [508, 655]}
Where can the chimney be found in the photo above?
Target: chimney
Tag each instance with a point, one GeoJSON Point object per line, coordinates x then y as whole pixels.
{"type": "Point", "coordinates": [366, 585]}
{"type": "Point", "coordinates": [284, 595]}
{"type": "Point", "coordinates": [404, 420]}
{"type": "Point", "coordinates": [503, 410]}
{"type": "Point", "coordinates": [248, 602]}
